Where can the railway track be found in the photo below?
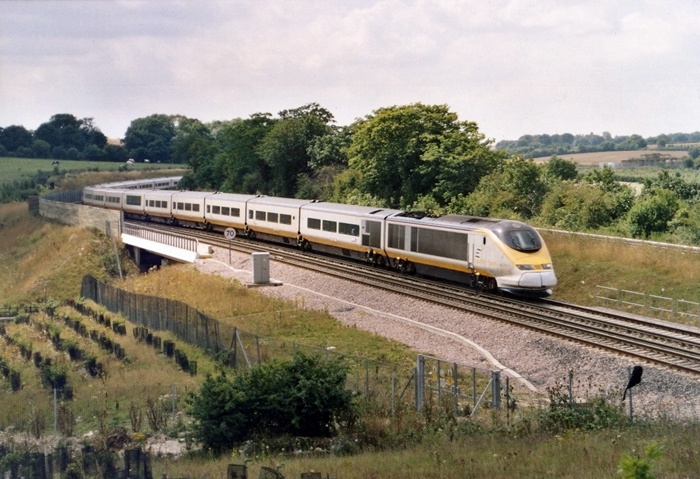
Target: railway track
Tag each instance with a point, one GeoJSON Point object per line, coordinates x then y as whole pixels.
{"type": "Point", "coordinates": [663, 343]}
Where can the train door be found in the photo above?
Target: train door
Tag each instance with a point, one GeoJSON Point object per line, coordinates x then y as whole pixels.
{"type": "Point", "coordinates": [372, 233]}
{"type": "Point", "coordinates": [476, 246]}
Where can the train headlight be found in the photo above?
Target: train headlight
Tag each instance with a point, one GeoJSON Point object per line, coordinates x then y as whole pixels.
{"type": "Point", "coordinates": [526, 267]}
{"type": "Point", "coordinates": [547, 266]}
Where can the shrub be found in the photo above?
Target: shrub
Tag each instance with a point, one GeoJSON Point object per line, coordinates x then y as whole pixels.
{"type": "Point", "coordinates": [301, 397]}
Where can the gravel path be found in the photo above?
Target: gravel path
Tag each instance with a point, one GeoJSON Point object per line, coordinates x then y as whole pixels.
{"type": "Point", "coordinates": [534, 361]}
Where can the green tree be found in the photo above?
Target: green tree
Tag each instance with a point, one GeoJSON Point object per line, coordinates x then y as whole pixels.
{"type": "Point", "coordinates": [301, 397]}
{"type": "Point", "coordinates": [241, 168]}
{"type": "Point", "coordinates": [404, 152]}
{"type": "Point", "coordinates": [585, 206]}
{"type": "Point", "coordinates": [41, 149]}
{"type": "Point", "coordinates": [516, 189]}
{"type": "Point", "coordinates": [15, 136]}
{"type": "Point", "coordinates": [116, 153]}
{"type": "Point", "coordinates": [285, 148]}
{"type": "Point", "coordinates": [149, 138]}
{"type": "Point", "coordinates": [652, 214]}
{"type": "Point", "coordinates": [66, 131]}
{"type": "Point", "coordinates": [559, 168]}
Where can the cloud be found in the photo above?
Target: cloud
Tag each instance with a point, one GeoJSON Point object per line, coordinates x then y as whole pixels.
{"type": "Point", "coordinates": [514, 67]}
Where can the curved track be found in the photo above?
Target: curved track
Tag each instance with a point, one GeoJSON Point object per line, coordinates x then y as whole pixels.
{"type": "Point", "coordinates": [667, 344]}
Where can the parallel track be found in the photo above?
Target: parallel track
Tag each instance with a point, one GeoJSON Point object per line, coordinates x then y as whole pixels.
{"type": "Point", "coordinates": [667, 344]}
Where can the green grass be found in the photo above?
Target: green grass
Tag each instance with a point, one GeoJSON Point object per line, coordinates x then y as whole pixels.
{"type": "Point", "coordinates": [21, 168]}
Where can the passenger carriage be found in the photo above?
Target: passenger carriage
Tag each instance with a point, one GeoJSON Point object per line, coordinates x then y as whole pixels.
{"type": "Point", "coordinates": [353, 231]}
{"type": "Point", "coordinates": [274, 218]}
{"type": "Point", "coordinates": [226, 210]}
{"type": "Point", "coordinates": [158, 205]}
{"type": "Point", "coordinates": [188, 207]}
{"type": "Point", "coordinates": [103, 197]}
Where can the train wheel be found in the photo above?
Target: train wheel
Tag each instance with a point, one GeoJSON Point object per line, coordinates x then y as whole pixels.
{"type": "Point", "coordinates": [250, 234]}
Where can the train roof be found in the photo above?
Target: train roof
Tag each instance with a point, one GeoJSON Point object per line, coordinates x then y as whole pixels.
{"type": "Point", "coordinates": [274, 201]}
{"type": "Point", "coordinates": [340, 208]}
{"type": "Point", "coordinates": [192, 194]}
{"type": "Point", "coordinates": [231, 197]}
{"type": "Point", "coordinates": [167, 193]}
{"type": "Point", "coordinates": [460, 221]}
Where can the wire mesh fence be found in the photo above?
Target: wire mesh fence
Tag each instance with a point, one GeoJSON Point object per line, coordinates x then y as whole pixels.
{"type": "Point", "coordinates": [660, 307]}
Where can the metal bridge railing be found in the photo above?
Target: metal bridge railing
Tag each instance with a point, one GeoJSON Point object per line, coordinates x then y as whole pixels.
{"type": "Point", "coordinates": [171, 239]}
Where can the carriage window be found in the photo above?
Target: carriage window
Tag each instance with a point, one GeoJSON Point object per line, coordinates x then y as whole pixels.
{"type": "Point", "coordinates": [195, 206]}
{"type": "Point", "coordinates": [188, 206]}
{"type": "Point", "coordinates": [330, 226]}
{"type": "Point", "coordinates": [313, 223]}
{"type": "Point", "coordinates": [260, 215]}
{"type": "Point", "coordinates": [286, 219]}
{"type": "Point", "coordinates": [208, 208]}
{"type": "Point", "coordinates": [236, 212]}
{"type": "Point", "coordinates": [348, 229]}
{"type": "Point", "coordinates": [133, 200]}
{"type": "Point", "coordinates": [250, 214]}
{"type": "Point", "coordinates": [273, 217]}
{"type": "Point", "coordinates": [216, 210]}
{"type": "Point", "coordinates": [225, 210]}
{"type": "Point", "coordinates": [180, 206]}
{"type": "Point", "coordinates": [151, 203]}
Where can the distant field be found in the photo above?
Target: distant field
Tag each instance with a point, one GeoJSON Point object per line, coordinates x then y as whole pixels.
{"type": "Point", "coordinates": [594, 159]}
{"type": "Point", "coordinates": [16, 168]}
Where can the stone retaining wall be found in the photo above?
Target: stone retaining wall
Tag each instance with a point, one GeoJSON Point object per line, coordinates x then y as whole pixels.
{"type": "Point", "coordinates": [82, 215]}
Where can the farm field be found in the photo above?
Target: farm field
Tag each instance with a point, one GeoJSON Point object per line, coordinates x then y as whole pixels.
{"type": "Point", "coordinates": [596, 158]}
{"type": "Point", "coordinates": [12, 169]}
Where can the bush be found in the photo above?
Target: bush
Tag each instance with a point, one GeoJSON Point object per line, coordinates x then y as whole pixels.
{"type": "Point", "coordinates": [302, 397]}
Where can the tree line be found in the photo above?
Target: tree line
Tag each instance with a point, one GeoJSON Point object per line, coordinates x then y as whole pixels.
{"type": "Point", "coordinates": [414, 157]}
{"type": "Point", "coordinates": [536, 146]}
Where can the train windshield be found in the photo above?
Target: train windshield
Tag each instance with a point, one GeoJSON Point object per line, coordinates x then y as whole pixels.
{"type": "Point", "coordinates": [519, 236]}
{"type": "Point", "coordinates": [524, 241]}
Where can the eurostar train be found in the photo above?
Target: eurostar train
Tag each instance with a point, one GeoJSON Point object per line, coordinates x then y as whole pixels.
{"type": "Point", "coordinates": [490, 254]}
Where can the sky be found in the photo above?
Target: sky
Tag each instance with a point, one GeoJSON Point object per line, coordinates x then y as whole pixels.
{"type": "Point", "coordinates": [514, 67]}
